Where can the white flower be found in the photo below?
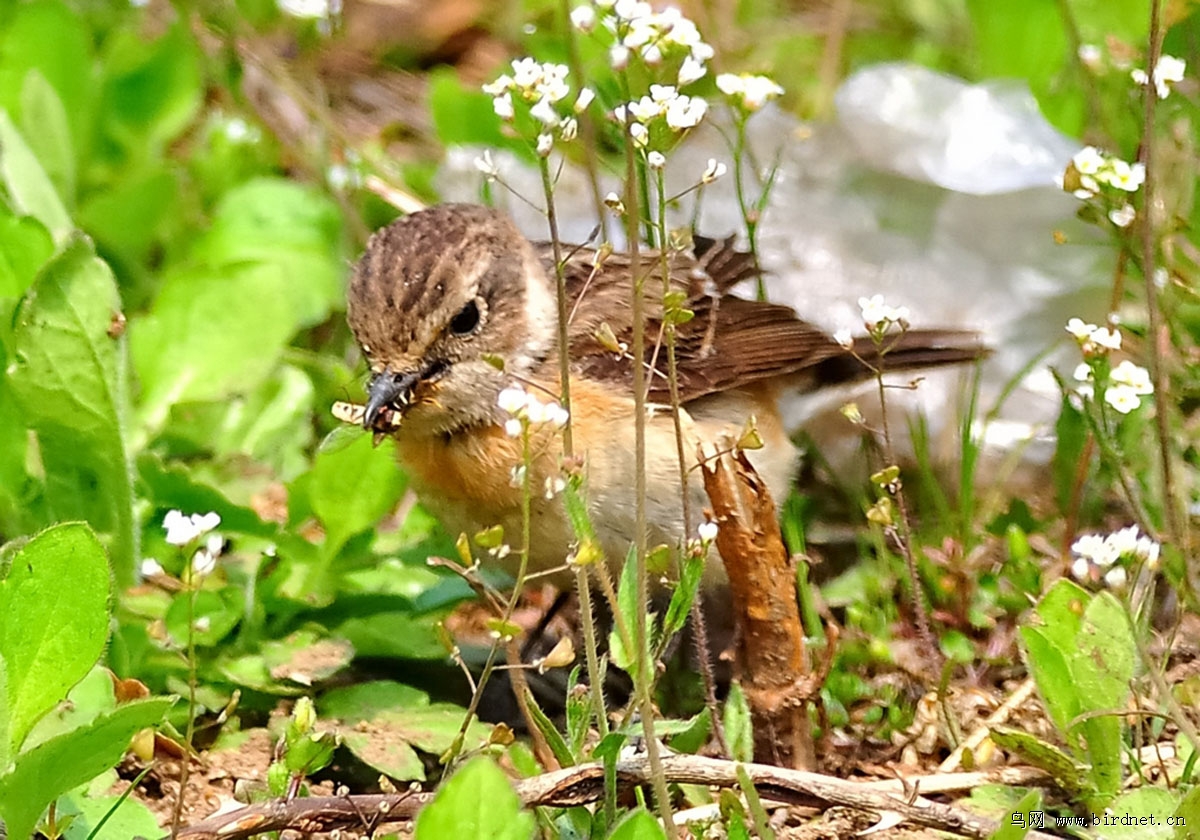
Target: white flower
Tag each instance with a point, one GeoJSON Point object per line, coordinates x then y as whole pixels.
{"type": "Point", "coordinates": [1104, 337]}
{"type": "Point", "coordinates": [1080, 329]}
{"type": "Point", "coordinates": [618, 56]}
{"type": "Point", "coordinates": [503, 106]}
{"type": "Point", "coordinates": [583, 18]}
{"type": "Point", "coordinates": [1088, 160]}
{"type": "Point", "coordinates": [584, 99]}
{"type": "Point", "coordinates": [713, 171]}
{"type": "Point", "coordinates": [1116, 578]}
{"type": "Point", "coordinates": [306, 8]}
{"type": "Point", "coordinates": [1122, 216]}
{"type": "Point", "coordinates": [1123, 542]}
{"type": "Point", "coordinates": [512, 399]}
{"type": "Point", "coordinates": [1168, 71]}
{"type": "Point", "coordinates": [707, 530]}
{"type": "Point", "coordinates": [613, 202]}
{"type": "Point", "coordinates": [663, 93]}
{"type": "Point", "coordinates": [181, 529]}
{"type": "Point", "coordinates": [1090, 56]}
{"type": "Point", "coordinates": [1083, 372]}
{"type": "Point", "coordinates": [747, 91]}
{"type": "Point", "coordinates": [652, 55]}
{"type": "Point", "coordinates": [150, 568]}
{"type": "Point", "coordinates": [1132, 376]}
{"type": "Point", "coordinates": [543, 111]}
{"type": "Point", "coordinates": [1122, 398]}
{"type": "Point", "coordinates": [656, 160]}
{"type": "Point", "coordinates": [1147, 549]}
{"type": "Point", "coordinates": [513, 427]}
{"type": "Point", "coordinates": [501, 86]}
{"type": "Point", "coordinates": [202, 624]}
{"type": "Point", "coordinates": [630, 10]}
{"type": "Point", "coordinates": [569, 129]}
{"type": "Point", "coordinates": [1123, 175]}
{"type": "Point", "coordinates": [527, 73]}
{"type": "Point", "coordinates": [203, 563]}
{"type": "Point", "coordinates": [844, 337]}
{"type": "Point", "coordinates": [487, 166]}
{"type": "Point", "coordinates": [557, 416]}
{"type": "Point", "coordinates": [639, 134]}
{"type": "Point", "coordinates": [553, 486]}
{"type": "Point", "coordinates": [874, 310]}
{"type": "Point", "coordinates": [644, 109]}
{"type": "Point", "coordinates": [685, 112]}
{"type": "Point", "coordinates": [1081, 569]}
{"type": "Point", "coordinates": [690, 71]}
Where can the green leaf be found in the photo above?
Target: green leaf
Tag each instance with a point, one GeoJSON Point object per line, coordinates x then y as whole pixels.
{"type": "Point", "coordinates": [281, 223]}
{"type": "Point", "coordinates": [25, 245]}
{"type": "Point", "coordinates": [352, 488]}
{"type": "Point", "coordinates": [28, 185]}
{"type": "Point", "coordinates": [1188, 815]}
{"type": "Point", "coordinates": [70, 378]}
{"type": "Point", "coordinates": [53, 623]}
{"type": "Point", "coordinates": [212, 333]}
{"type": "Point", "coordinates": [1146, 810]}
{"type": "Point", "coordinates": [125, 817]}
{"type": "Point", "coordinates": [739, 730]}
{"type": "Point", "coordinates": [554, 738]}
{"type": "Point", "coordinates": [49, 770]}
{"type": "Point", "coordinates": [152, 89]}
{"type": "Point", "coordinates": [684, 595]}
{"type": "Point", "coordinates": [1068, 774]}
{"type": "Point", "coordinates": [54, 40]}
{"type": "Point", "coordinates": [476, 802]}
{"type": "Point", "coordinates": [44, 118]}
{"type": "Point", "coordinates": [638, 825]}
{"type": "Point", "coordinates": [1016, 823]}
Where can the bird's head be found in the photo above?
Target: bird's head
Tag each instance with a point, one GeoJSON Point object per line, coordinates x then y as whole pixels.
{"type": "Point", "coordinates": [435, 300]}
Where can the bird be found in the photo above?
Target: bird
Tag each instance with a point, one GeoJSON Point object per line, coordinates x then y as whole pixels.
{"type": "Point", "coordinates": [452, 305]}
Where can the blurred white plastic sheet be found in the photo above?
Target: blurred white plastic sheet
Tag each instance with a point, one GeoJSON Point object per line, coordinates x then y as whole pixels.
{"type": "Point", "coordinates": [938, 194]}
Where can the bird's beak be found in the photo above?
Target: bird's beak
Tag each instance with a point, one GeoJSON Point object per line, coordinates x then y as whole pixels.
{"type": "Point", "coordinates": [387, 389]}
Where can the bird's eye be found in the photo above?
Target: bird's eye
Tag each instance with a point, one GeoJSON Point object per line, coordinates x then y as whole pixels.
{"type": "Point", "coordinates": [466, 320]}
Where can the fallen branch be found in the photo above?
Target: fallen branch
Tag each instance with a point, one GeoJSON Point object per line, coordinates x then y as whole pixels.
{"type": "Point", "coordinates": [584, 785]}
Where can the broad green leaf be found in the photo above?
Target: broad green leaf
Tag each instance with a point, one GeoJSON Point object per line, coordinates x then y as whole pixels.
{"type": "Point", "coordinates": [131, 214]}
{"type": "Point", "coordinates": [126, 817]}
{"type": "Point", "coordinates": [281, 223]}
{"type": "Point", "coordinates": [365, 701]}
{"type": "Point", "coordinates": [212, 333]}
{"type": "Point", "coordinates": [1051, 671]}
{"type": "Point", "coordinates": [352, 488]}
{"type": "Point", "coordinates": [44, 118]}
{"type": "Point", "coordinates": [1017, 822]}
{"type": "Point", "coordinates": [1138, 806]}
{"type": "Point", "coordinates": [53, 622]}
{"type": "Point", "coordinates": [152, 89]}
{"type": "Point", "coordinates": [1107, 655]}
{"type": "Point", "coordinates": [173, 486]}
{"type": "Point", "coordinates": [53, 39]}
{"type": "Point", "coordinates": [30, 188]}
{"type": "Point", "coordinates": [49, 770]}
{"type": "Point", "coordinates": [1068, 774]}
{"type": "Point", "coordinates": [477, 802]}
{"type": "Point", "coordinates": [70, 377]}
{"type": "Point", "coordinates": [1188, 815]}
{"type": "Point", "coordinates": [88, 699]}
{"type": "Point", "coordinates": [639, 825]}
{"type": "Point", "coordinates": [25, 245]}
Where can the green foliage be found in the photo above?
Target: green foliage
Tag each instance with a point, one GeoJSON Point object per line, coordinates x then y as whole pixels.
{"type": "Point", "coordinates": [1080, 651]}
{"type": "Point", "coordinates": [477, 801]}
{"type": "Point", "coordinates": [50, 637]}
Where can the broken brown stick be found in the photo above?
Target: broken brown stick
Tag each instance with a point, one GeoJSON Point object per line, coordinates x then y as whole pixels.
{"type": "Point", "coordinates": [762, 583]}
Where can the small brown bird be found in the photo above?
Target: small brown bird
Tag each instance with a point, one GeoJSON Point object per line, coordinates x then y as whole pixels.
{"type": "Point", "coordinates": [441, 295]}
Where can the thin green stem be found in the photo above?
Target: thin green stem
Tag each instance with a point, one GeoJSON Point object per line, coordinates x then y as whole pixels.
{"type": "Point", "coordinates": [560, 277]}
{"type": "Point", "coordinates": [189, 574]}
{"type": "Point", "coordinates": [644, 671]}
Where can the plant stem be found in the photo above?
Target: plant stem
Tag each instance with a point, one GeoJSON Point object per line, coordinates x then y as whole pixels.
{"type": "Point", "coordinates": [642, 679]}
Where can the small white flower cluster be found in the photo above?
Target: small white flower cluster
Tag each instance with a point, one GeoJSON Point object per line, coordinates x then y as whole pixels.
{"type": "Point", "coordinates": [542, 87]}
{"type": "Point", "coordinates": [878, 317]}
{"type": "Point", "coordinates": [1094, 340]}
{"type": "Point", "coordinates": [526, 410]}
{"type": "Point", "coordinates": [678, 110]}
{"type": "Point", "coordinates": [1091, 170]}
{"type": "Point", "coordinates": [1104, 552]}
{"type": "Point", "coordinates": [1124, 385]}
{"type": "Point", "coordinates": [748, 92]}
{"type": "Point", "coordinates": [181, 529]}
{"type": "Point", "coordinates": [652, 36]}
{"type": "Point", "coordinates": [1167, 72]}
